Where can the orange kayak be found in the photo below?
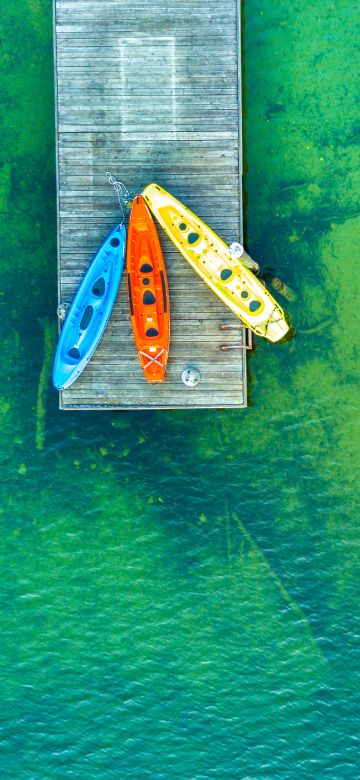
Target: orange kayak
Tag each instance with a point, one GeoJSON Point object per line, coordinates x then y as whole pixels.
{"type": "Point", "coordinates": [148, 292]}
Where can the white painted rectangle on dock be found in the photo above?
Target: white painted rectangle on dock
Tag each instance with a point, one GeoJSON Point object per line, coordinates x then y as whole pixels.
{"type": "Point", "coordinates": [150, 92]}
{"type": "Point", "coordinates": [147, 53]}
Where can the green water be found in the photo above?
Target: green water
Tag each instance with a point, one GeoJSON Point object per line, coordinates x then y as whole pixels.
{"type": "Point", "coordinates": [180, 590]}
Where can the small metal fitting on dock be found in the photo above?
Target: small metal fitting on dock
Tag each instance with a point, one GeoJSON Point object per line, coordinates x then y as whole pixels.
{"type": "Point", "coordinates": [231, 327]}
{"type": "Point", "coordinates": [248, 343]}
{"type": "Point", "coordinates": [62, 311]}
{"type": "Point", "coordinates": [190, 376]}
{"type": "Point", "coordinates": [228, 347]}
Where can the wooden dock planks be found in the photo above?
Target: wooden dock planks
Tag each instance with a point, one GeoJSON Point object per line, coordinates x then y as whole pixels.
{"type": "Point", "coordinates": [150, 92]}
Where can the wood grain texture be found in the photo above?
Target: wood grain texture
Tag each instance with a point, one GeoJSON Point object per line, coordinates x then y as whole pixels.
{"type": "Point", "coordinates": [151, 92]}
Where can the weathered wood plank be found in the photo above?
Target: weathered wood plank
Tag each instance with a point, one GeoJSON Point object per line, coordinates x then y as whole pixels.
{"type": "Point", "coordinates": [151, 93]}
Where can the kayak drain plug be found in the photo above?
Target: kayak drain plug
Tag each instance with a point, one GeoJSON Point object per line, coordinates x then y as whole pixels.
{"type": "Point", "coordinates": [190, 376]}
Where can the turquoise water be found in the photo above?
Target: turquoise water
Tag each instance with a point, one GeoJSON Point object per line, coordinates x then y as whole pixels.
{"type": "Point", "coordinates": [180, 589]}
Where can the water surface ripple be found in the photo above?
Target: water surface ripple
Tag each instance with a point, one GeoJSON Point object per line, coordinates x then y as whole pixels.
{"type": "Point", "coordinates": [179, 589]}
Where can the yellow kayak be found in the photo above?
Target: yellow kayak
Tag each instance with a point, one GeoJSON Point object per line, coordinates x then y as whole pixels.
{"type": "Point", "coordinates": [229, 278]}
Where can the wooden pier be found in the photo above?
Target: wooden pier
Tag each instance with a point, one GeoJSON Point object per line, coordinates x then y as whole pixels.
{"type": "Point", "coordinates": [151, 92]}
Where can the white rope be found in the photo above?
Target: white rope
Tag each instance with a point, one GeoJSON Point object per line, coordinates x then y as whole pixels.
{"type": "Point", "coordinates": [124, 196]}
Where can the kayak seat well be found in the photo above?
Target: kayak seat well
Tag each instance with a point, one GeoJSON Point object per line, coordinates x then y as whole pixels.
{"type": "Point", "coordinates": [99, 287]}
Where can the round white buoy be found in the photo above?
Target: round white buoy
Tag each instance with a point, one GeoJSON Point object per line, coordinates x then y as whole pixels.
{"type": "Point", "coordinates": [62, 310]}
{"type": "Point", "coordinates": [236, 250]}
{"type": "Point", "coordinates": [190, 376]}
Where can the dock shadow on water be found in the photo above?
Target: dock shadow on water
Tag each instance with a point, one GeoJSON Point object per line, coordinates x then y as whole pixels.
{"type": "Point", "coordinates": [179, 590]}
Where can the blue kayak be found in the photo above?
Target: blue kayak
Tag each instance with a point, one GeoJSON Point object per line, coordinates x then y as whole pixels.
{"type": "Point", "coordinates": [90, 310]}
